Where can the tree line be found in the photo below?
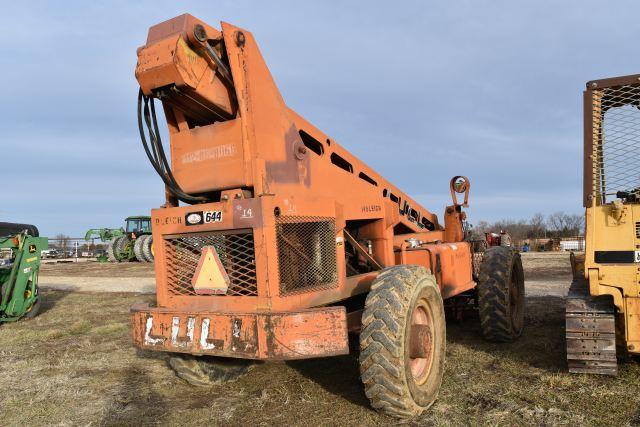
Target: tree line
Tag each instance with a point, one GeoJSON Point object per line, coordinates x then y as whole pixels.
{"type": "Point", "coordinates": [556, 225]}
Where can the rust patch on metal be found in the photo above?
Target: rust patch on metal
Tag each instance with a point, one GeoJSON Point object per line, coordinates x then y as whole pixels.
{"type": "Point", "coordinates": [289, 335]}
{"type": "Point", "coordinates": [420, 341]}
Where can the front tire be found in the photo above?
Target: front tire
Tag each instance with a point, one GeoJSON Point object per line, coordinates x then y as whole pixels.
{"type": "Point", "coordinates": [501, 294]}
{"type": "Point", "coordinates": [111, 250]}
{"type": "Point", "coordinates": [403, 340]}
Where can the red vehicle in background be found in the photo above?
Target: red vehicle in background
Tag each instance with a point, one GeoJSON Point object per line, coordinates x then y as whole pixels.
{"type": "Point", "coordinates": [498, 239]}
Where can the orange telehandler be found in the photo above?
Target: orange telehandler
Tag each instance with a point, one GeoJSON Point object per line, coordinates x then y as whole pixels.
{"type": "Point", "coordinates": [275, 242]}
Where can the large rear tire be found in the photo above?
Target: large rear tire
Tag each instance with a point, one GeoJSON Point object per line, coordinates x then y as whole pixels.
{"type": "Point", "coordinates": [403, 340]}
{"type": "Point", "coordinates": [147, 248]}
{"type": "Point", "coordinates": [119, 246]}
{"type": "Point", "coordinates": [206, 371]}
{"type": "Point", "coordinates": [501, 294]}
{"type": "Point", "coordinates": [137, 249]}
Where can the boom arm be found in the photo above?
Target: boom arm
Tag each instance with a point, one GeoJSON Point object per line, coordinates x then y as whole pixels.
{"type": "Point", "coordinates": [104, 234]}
{"type": "Point", "coordinates": [232, 135]}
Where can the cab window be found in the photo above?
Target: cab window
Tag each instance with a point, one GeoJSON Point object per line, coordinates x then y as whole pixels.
{"type": "Point", "coordinates": [133, 225]}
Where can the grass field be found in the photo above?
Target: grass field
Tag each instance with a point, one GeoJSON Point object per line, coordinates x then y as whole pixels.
{"type": "Point", "coordinates": [74, 365]}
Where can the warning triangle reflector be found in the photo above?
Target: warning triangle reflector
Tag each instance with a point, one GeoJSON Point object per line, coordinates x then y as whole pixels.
{"type": "Point", "coordinates": [210, 277]}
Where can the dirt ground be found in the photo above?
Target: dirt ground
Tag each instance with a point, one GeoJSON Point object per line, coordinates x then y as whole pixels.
{"type": "Point", "coordinates": [74, 365]}
{"type": "Point", "coordinates": [96, 269]}
{"type": "Point", "coordinates": [94, 276]}
{"type": "Point", "coordinates": [547, 274]}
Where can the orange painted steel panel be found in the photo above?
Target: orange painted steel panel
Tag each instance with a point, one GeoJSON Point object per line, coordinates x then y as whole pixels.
{"type": "Point", "coordinates": [173, 61]}
{"type": "Point", "coordinates": [178, 25]}
{"type": "Point", "coordinates": [450, 263]}
{"type": "Point", "coordinates": [156, 67]}
{"type": "Point", "coordinates": [290, 335]}
{"type": "Point", "coordinates": [209, 157]}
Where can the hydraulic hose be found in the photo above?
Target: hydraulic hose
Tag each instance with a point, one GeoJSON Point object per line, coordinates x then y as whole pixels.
{"type": "Point", "coordinates": [155, 151]}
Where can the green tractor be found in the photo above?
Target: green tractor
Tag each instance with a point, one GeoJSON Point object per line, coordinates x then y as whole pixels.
{"type": "Point", "coordinates": [20, 250]}
{"type": "Point", "coordinates": [133, 243]}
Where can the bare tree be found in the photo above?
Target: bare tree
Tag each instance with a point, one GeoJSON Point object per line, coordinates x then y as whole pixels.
{"type": "Point", "coordinates": [483, 227]}
{"type": "Point", "coordinates": [62, 241]}
{"type": "Point", "coordinates": [557, 222]}
{"type": "Point", "coordinates": [538, 226]}
{"type": "Point", "coordinates": [565, 225]}
{"type": "Point", "coordinates": [574, 225]}
{"type": "Point", "coordinates": [556, 225]}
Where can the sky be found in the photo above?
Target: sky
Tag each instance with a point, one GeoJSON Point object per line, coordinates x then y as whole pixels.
{"type": "Point", "coordinates": [419, 90]}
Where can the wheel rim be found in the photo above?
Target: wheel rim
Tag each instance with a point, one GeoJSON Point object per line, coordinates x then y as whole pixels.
{"type": "Point", "coordinates": [421, 342]}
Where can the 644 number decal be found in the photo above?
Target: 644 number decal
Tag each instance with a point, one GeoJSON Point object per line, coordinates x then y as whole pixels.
{"type": "Point", "coordinates": [203, 217]}
{"type": "Point", "coordinates": [212, 216]}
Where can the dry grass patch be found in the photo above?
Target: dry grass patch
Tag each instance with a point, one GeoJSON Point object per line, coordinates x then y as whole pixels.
{"type": "Point", "coordinates": [74, 364]}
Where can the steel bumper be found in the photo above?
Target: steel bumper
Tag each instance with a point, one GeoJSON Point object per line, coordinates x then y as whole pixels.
{"type": "Point", "coordinates": [301, 334]}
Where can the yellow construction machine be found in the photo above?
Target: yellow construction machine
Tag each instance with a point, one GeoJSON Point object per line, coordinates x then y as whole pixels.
{"type": "Point", "coordinates": [603, 306]}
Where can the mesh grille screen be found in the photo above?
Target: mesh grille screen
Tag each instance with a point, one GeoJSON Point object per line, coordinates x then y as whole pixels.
{"type": "Point", "coordinates": [306, 254]}
{"type": "Point", "coordinates": [236, 252]}
{"type": "Point", "coordinates": [616, 137]}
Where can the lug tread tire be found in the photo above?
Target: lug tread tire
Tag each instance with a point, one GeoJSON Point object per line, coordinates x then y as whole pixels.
{"type": "Point", "coordinates": [119, 245]}
{"type": "Point", "coordinates": [208, 371]}
{"type": "Point", "coordinates": [111, 250]}
{"type": "Point", "coordinates": [494, 294]}
{"type": "Point", "coordinates": [382, 340]}
{"type": "Point", "coordinates": [146, 248]}
{"type": "Point", "coordinates": [137, 249]}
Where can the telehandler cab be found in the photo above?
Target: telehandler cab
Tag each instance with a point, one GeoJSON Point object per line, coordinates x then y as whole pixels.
{"type": "Point", "coordinates": [285, 242]}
